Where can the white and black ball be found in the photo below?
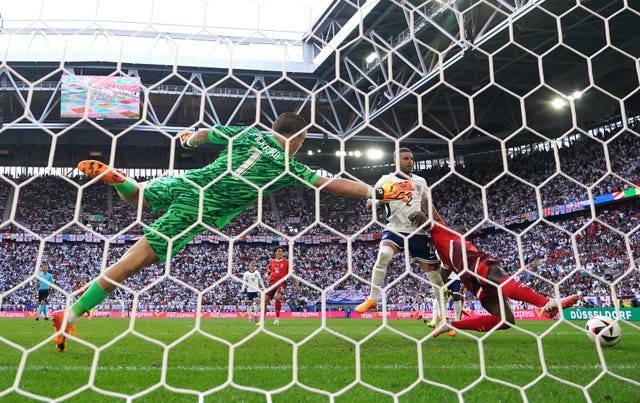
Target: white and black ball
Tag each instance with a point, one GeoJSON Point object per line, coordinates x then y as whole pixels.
{"type": "Point", "coordinates": [604, 330]}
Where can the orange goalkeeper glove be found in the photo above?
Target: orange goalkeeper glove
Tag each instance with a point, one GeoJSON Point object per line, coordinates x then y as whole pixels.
{"type": "Point", "coordinates": [395, 190]}
{"type": "Point", "coordinates": [184, 140]}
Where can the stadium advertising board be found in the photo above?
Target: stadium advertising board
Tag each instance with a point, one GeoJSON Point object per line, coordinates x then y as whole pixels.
{"type": "Point", "coordinates": [526, 314]}
{"type": "Point", "coordinates": [588, 313]}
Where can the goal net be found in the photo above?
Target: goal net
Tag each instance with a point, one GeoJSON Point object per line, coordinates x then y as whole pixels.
{"type": "Point", "coordinates": [523, 116]}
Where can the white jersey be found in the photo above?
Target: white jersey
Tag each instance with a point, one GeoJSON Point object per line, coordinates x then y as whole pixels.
{"type": "Point", "coordinates": [398, 211]}
{"type": "Point", "coordinates": [252, 281]}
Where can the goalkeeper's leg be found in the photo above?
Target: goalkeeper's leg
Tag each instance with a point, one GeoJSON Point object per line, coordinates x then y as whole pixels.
{"type": "Point", "coordinates": [139, 256]}
{"type": "Point", "coordinates": [126, 187]}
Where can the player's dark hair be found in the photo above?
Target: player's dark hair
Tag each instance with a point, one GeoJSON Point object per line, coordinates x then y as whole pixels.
{"type": "Point", "coordinates": [278, 248]}
{"type": "Point", "coordinates": [401, 150]}
{"type": "Point", "coordinates": [288, 124]}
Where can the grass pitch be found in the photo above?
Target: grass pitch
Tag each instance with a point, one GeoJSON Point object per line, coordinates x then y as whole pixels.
{"type": "Point", "coordinates": [231, 360]}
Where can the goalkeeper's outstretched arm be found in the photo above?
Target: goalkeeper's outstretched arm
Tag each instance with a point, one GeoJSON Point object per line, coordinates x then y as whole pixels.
{"type": "Point", "coordinates": [344, 187]}
{"type": "Point", "coordinates": [347, 187]}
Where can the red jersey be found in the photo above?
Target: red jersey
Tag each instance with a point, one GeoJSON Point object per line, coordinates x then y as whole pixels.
{"type": "Point", "coordinates": [278, 270]}
{"type": "Point", "coordinates": [449, 248]}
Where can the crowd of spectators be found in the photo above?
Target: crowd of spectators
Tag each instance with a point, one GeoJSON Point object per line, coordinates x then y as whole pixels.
{"type": "Point", "coordinates": [541, 253]}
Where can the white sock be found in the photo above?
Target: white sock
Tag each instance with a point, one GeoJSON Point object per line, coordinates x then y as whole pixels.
{"type": "Point", "coordinates": [377, 277]}
{"type": "Point", "coordinates": [71, 316]}
{"type": "Point", "coordinates": [438, 290]}
{"type": "Point", "coordinates": [436, 308]}
{"type": "Point", "coordinates": [385, 253]}
{"type": "Point", "coordinates": [457, 308]}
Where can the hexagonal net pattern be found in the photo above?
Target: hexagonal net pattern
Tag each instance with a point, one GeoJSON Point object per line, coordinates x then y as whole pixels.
{"type": "Point", "coordinates": [518, 120]}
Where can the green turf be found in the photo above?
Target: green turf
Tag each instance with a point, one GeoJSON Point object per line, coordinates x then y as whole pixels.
{"type": "Point", "coordinates": [397, 360]}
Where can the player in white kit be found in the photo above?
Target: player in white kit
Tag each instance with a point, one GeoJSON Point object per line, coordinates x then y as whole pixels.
{"type": "Point", "coordinates": [400, 216]}
{"type": "Point", "coordinates": [252, 282]}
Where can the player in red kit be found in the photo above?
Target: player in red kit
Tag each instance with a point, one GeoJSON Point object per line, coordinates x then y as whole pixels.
{"type": "Point", "coordinates": [486, 279]}
{"type": "Point", "coordinates": [277, 276]}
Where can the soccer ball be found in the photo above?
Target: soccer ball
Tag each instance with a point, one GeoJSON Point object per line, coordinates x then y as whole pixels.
{"type": "Point", "coordinates": [604, 330]}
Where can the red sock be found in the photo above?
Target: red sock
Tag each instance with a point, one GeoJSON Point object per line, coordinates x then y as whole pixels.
{"type": "Point", "coordinates": [518, 291]}
{"type": "Point", "coordinates": [278, 308]}
{"type": "Point", "coordinates": [479, 323]}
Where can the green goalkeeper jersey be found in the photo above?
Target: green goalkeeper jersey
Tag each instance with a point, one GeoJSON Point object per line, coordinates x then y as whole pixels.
{"type": "Point", "coordinates": [251, 161]}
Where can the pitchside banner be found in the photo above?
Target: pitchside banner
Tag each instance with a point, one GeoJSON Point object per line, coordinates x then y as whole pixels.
{"type": "Point", "coordinates": [587, 313]}
{"type": "Point", "coordinates": [528, 314]}
{"type": "Point", "coordinates": [524, 314]}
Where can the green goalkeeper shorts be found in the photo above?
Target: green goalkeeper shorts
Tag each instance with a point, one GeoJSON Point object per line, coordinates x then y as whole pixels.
{"type": "Point", "coordinates": [179, 224]}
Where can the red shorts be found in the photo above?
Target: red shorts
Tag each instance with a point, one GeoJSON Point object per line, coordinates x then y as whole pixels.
{"type": "Point", "coordinates": [274, 289]}
{"type": "Point", "coordinates": [479, 264]}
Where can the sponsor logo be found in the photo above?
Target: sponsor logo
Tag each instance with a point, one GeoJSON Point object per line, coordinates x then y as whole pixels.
{"type": "Point", "coordinates": [526, 314]}
{"type": "Point", "coordinates": [181, 315]}
{"type": "Point", "coordinates": [305, 314]}
{"type": "Point", "coordinates": [224, 314]}
{"type": "Point", "coordinates": [584, 314]}
{"type": "Point", "coordinates": [12, 315]}
{"type": "Point", "coordinates": [146, 314]}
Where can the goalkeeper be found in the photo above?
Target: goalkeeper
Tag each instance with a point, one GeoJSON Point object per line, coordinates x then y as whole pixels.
{"type": "Point", "coordinates": [254, 165]}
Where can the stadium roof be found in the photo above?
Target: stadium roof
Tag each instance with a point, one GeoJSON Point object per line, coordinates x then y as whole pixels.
{"type": "Point", "coordinates": [239, 34]}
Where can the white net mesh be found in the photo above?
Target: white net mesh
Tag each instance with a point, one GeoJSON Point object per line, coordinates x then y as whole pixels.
{"type": "Point", "coordinates": [522, 116]}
